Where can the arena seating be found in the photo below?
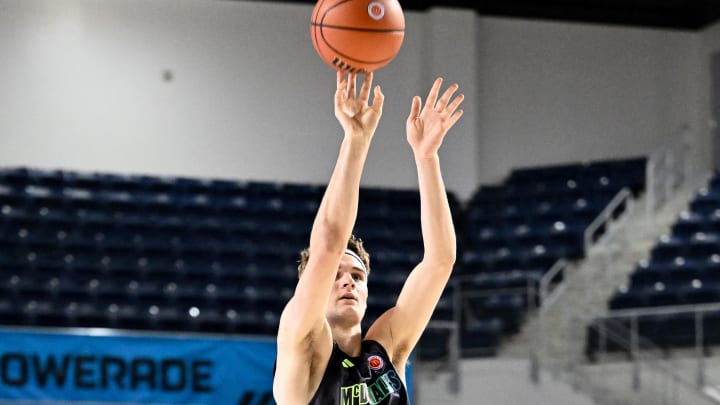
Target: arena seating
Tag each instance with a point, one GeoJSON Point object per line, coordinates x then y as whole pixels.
{"type": "Point", "coordinates": [516, 231]}
{"type": "Point", "coordinates": [153, 253]}
{"type": "Point", "coordinates": [683, 270]}
{"type": "Point", "coordinates": [184, 254]}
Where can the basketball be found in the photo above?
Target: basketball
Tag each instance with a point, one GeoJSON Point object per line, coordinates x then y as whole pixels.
{"type": "Point", "coordinates": [357, 35]}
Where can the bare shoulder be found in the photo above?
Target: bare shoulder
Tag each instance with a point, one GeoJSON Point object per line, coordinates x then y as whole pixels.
{"type": "Point", "coordinates": [301, 360]}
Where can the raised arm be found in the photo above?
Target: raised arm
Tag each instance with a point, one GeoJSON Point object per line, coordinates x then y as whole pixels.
{"type": "Point", "coordinates": [338, 209]}
{"type": "Point", "coordinates": [426, 128]}
{"type": "Point", "coordinates": [302, 324]}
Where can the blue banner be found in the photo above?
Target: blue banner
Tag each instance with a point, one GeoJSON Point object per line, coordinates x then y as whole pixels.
{"type": "Point", "coordinates": [133, 369]}
{"type": "Point", "coordinates": [136, 369]}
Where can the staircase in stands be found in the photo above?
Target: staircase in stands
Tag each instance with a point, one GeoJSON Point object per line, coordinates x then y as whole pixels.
{"type": "Point", "coordinates": [555, 336]}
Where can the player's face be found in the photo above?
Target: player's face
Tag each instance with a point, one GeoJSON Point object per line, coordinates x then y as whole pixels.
{"type": "Point", "coordinates": [349, 295]}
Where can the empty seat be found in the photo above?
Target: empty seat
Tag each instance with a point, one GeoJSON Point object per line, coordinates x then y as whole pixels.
{"type": "Point", "coordinates": [624, 299]}
{"type": "Point", "coordinates": [434, 344]}
{"type": "Point", "coordinates": [481, 337]}
{"type": "Point", "coordinates": [700, 293]}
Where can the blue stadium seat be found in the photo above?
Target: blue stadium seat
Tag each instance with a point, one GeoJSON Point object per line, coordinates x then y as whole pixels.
{"type": "Point", "coordinates": [10, 311]}
{"type": "Point", "coordinates": [205, 319]}
{"type": "Point", "coordinates": [624, 299]}
{"type": "Point", "coordinates": [502, 280]}
{"type": "Point", "coordinates": [659, 297]}
{"type": "Point", "coordinates": [700, 293]}
{"type": "Point", "coordinates": [434, 344]}
{"type": "Point", "coordinates": [648, 273]}
{"type": "Point", "coordinates": [510, 308]}
{"type": "Point", "coordinates": [481, 337]}
{"type": "Point", "coordinates": [706, 202]}
{"type": "Point", "coordinates": [668, 248]}
{"type": "Point", "coordinates": [41, 313]}
{"type": "Point", "coordinates": [124, 315]}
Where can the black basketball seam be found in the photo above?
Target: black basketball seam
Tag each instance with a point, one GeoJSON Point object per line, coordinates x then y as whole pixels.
{"type": "Point", "coordinates": [351, 58]}
{"type": "Point", "coordinates": [342, 27]}
{"type": "Point", "coordinates": [313, 18]}
{"type": "Point", "coordinates": [330, 8]}
{"type": "Point", "coordinates": [322, 34]}
{"type": "Point", "coordinates": [316, 11]}
{"type": "Point", "coordinates": [314, 35]}
{"type": "Point", "coordinates": [318, 27]}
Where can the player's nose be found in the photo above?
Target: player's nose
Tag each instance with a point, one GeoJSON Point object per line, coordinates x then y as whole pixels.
{"type": "Point", "coordinates": [347, 280]}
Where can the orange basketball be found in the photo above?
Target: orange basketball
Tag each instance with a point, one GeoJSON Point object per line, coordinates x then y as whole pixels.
{"type": "Point", "coordinates": [357, 35]}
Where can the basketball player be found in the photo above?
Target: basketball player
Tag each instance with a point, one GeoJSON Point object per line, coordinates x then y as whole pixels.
{"type": "Point", "coordinates": [322, 356]}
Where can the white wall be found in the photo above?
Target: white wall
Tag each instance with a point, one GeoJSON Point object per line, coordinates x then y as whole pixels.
{"type": "Point", "coordinates": [554, 92]}
{"type": "Point", "coordinates": [710, 44]}
{"type": "Point", "coordinates": [81, 88]}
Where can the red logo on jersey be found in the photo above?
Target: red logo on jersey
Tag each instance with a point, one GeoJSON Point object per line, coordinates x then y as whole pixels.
{"type": "Point", "coordinates": [375, 362]}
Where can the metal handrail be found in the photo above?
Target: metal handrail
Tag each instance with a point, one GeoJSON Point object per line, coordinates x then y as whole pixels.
{"type": "Point", "coordinates": [666, 171]}
{"type": "Point", "coordinates": [666, 310]}
{"type": "Point", "coordinates": [648, 346]}
{"type": "Point", "coordinates": [621, 197]}
{"type": "Point", "coordinates": [652, 176]}
{"type": "Point", "coordinates": [561, 265]}
{"type": "Point", "coordinates": [632, 345]}
{"type": "Point", "coordinates": [547, 279]}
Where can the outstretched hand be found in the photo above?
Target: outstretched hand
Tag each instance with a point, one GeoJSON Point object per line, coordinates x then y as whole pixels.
{"type": "Point", "coordinates": [427, 125]}
{"type": "Point", "coordinates": [356, 116]}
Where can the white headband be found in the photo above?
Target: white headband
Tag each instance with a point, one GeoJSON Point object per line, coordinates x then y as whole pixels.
{"type": "Point", "coordinates": [360, 264]}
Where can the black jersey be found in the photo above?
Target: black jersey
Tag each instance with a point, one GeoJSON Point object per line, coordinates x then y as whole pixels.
{"type": "Point", "coordinates": [368, 379]}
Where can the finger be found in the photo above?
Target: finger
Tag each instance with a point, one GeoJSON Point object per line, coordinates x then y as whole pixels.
{"type": "Point", "coordinates": [455, 104]}
{"type": "Point", "coordinates": [340, 90]}
{"type": "Point", "coordinates": [378, 100]}
{"type": "Point", "coordinates": [453, 119]}
{"type": "Point", "coordinates": [442, 103]}
{"type": "Point", "coordinates": [434, 90]}
{"type": "Point", "coordinates": [341, 85]}
{"type": "Point", "coordinates": [365, 89]}
{"type": "Point", "coordinates": [352, 79]}
{"type": "Point", "coordinates": [415, 109]}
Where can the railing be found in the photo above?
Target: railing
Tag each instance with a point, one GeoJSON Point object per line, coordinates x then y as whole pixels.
{"type": "Point", "coordinates": [622, 198]}
{"type": "Point", "coordinates": [549, 280]}
{"type": "Point", "coordinates": [648, 378]}
{"type": "Point", "coordinates": [667, 170]}
{"type": "Point", "coordinates": [637, 342]}
{"type": "Point", "coordinates": [647, 358]}
{"type": "Point", "coordinates": [648, 371]}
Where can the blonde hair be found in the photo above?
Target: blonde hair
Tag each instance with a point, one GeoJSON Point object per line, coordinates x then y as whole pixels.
{"type": "Point", "coordinates": [354, 243]}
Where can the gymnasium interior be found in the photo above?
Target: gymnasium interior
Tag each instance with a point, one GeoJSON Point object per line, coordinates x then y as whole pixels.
{"type": "Point", "coordinates": [161, 163]}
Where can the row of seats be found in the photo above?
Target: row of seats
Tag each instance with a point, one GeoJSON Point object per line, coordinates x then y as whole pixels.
{"type": "Point", "coordinates": [145, 252]}
{"type": "Point", "coordinates": [683, 269]}
{"type": "Point", "coordinates": [516, 231]}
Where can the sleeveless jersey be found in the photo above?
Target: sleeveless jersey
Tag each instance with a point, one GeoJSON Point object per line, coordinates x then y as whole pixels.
{"type": "Point", "coordinates": [369, 379]}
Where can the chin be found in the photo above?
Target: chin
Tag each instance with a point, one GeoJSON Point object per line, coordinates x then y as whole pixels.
{"type": "Point", "coordinates": [347, 315]}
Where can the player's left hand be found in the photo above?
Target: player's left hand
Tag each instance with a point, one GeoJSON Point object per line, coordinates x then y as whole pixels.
{"type": "Point", "coordinates": [427, 125]}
